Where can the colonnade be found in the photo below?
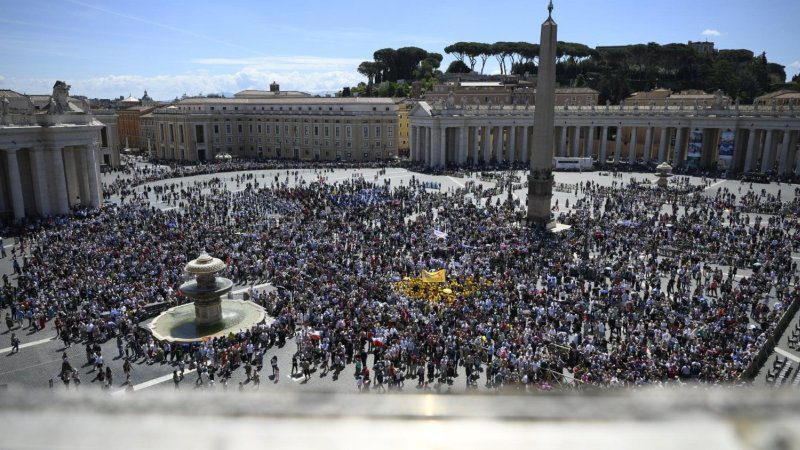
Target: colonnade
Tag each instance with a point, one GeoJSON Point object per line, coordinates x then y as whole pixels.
{"type": "Point", "coordinates": [49, 181]}
{"type": "Point", "coordinates": [738, 149]}
{"type": "Point", "coordinates": [456, 146]}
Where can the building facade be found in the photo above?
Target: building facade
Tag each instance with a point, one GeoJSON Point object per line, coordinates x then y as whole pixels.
{"type": "Point", "coordinates": [688, 98]}
{"type": "Point", "coordinates": [509, 91]}
{"type": "Point", "coordinates": [739, 139]}
{"type": "Point", "coordinates": [129, 129]}
{"type": "Point", "coordinates": [309, 128]}
{"type": "Point", "coordinates": [48, 156]}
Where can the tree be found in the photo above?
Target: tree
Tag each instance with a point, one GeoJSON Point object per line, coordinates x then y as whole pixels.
{"type": "Point", "coordinates": [458, 67]}
{"type": "Point", "coordinates": [484, 52]}
{"type": "Point", "coordinates": [369, 69]}
{"type": "Point", "coordinates": [458, 50]}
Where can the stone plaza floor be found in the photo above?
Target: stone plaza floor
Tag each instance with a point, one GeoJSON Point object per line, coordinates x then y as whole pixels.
{"type": "Point", "coordinates": [40, 356]}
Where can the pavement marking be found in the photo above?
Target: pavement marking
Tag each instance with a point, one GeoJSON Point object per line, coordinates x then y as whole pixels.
{"type": "Point", "coordinates": [28, 344]}
{"type": "Point", "coordinates": [787, 354]}
{"type": "Point", "coordinates": [153, 382]}
{"type": "Point", "coordinates": [715, 184]}
{"type": "Point", "coordinates": [455, 181]}
{"type": "Point", "coordinates": [32, 366]}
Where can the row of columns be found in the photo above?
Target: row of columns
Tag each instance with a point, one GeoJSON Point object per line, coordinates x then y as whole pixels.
{"type": "Point", "coordinates": [58, 178]}
{"type": "Point", "coordinates": [767, 150]}
{"type": "Point", "coordinates": [438, 146]}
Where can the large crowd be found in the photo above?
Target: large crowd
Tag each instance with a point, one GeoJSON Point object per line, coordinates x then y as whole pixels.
{"type": "Point", "coordinates": [644, 288]}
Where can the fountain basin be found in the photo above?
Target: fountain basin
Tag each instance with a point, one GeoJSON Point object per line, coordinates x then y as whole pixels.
{"type": "Point", "coordinates": [179, 324]}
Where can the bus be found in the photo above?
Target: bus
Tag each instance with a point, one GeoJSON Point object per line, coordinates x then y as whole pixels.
{"type": "Point", "coordinates": [572, 164]}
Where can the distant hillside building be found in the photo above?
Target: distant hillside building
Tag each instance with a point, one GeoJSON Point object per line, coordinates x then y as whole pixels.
{"type": "Point", "coordinates": [274, 92]}
{"type": "Point", "coordinates": [506, 91]}
{"type": "Point", "coordinates": [704, 48]}
{"type": "Point", "coordinates": [784, 97]}
{"type": "Point", "coordinates": [665, 97]}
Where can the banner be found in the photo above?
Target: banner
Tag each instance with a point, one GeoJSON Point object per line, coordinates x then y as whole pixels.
{"type": "Point", "coordinates": [726, 144]}
{"type": "Point", "coordinates": [433, 277]}
{"type": "Point", "coordinates": [695, 151]}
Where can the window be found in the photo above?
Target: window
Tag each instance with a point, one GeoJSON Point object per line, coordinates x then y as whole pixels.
{"type": "Point", "coordinates": [228, 128]}
{"type": "Point", "coordinates": [286, 129]}
{"type": "Point", "coordinates": [390, 131]}
{"type": "Point", "coordinates": [103, 137]}
{"type": "Point", "coordinates": [378, 132]}
{"type": "Point", "coordinates": [250, 128]}
{"type": "Point", "coordinates": [348, 132]}
{"type": "Point", "coordinates": [198, 131]}
{"type": "Point", "coordinates": [259, 128]}
{"type": "Point", "coordinates": [239, 127]}
{"type": "Point", "coordinates": [216, 129]}
{"type": "Point", "coordinates": [327, 131]}
{"type": "Point", "coordinates": [277, 130]}
{"type": "Point", "coordinates": [365, 131]}
{"type": "Point", "coordinates": [305, 130]}
{"type": "Point", "coordinates": [171, 133]}
{"type": "Point", "coordinates": [316, 130]}
{"type": "Point", "coordinates": [161, 127]}
{"type": "Point", "coordinates": [337, 132]}
{"type": "Point", "coordinates": [180, 133]}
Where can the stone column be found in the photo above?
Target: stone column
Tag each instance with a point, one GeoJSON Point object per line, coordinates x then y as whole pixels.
{"type": "Point", "coordinates": [618, 145]}
{"type": "Point", "coordinates": [750, 156]}
{"type": "Point", "coordinates": [475, 146]}
{"type": "Point", "coordinates": [15, 184]}
{"type": "Point", "coordinates": [589, 147]}
{"type": "Point", "coordinates": [412, 139]}
{"type": "Point", "coordinates": [443, 147]}
{"type": "Point", "coordinates": [512, 144]}
{"type": "Point", "coordinates": [83, 175]}
{"type": "Point", "coordinates": [648, 144]}
{"type": "Point", "coordinates": [93, 176]}
{"type": "Point", "coordinates": [485, 141]}
{"type": "Point", "coordinates": [576, 142]}
{"type": "Point", "coordinates": [525, 152]}
{"type": "Point", "coordinates": [663, 143]}
{"type": "Point", "coordinates": [497, 143]}
{"type": "Point", "coordinates": [783, 158]}
{"type": "Point", "coordinates": [562, 147]}
{"type": "Point", "coordinates": [632, 146]}
{"type": "Point", "coordinates": [59, 199]}
{"type": "Point", "coordinates": [766, 158]}
{"type": "Point", "coordinates": [39, 173]}
{"type": "Point", "coordinates": [603, 145]}
{"type": "Point", "coordinates": [463, 145]}
{"type": "Point", "coordinates": [677, 155]}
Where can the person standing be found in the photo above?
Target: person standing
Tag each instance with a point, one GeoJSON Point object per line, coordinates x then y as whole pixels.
{"type": "Point", "coordinates": [14, 343]}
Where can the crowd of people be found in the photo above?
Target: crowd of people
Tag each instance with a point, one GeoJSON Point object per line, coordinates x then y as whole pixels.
{"type": "Point", "coordinates": [644, 288]}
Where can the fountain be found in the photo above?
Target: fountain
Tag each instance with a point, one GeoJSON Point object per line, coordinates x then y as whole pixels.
{"type": "Point", "coordinates": [663, 172]}
{"type": "Point", "coordinates": [208, 315]}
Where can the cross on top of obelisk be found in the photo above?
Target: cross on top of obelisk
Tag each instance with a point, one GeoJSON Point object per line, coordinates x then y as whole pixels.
{"type": "Point", "coordinates": [550, 10]}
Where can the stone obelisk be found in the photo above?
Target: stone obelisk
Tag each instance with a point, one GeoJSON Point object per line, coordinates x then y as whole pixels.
{"type": "Point", "coordinates": [540, 180]}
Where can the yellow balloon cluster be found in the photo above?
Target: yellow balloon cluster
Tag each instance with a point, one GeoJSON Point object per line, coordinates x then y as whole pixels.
{"type": "Point", "coordinates": [446, 292]}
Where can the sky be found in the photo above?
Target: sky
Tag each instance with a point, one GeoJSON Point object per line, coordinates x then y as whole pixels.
{"type": "Point", "coordinates": [105, 49]}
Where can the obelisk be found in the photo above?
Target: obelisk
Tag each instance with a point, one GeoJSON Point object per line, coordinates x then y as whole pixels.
{"type": "Point", "coordinates": [540, 179]}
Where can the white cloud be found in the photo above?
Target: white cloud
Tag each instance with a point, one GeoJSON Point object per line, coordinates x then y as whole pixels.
{"type": "Point", "coordinates": [302, 73]}
{"type": "Point", "coordinates": [282, 62]}
{"type": "Point", "coordinates": [794, 65]}
{"type": "Point", "coordinates": [711, 33]}
{"type": "Point", "coordinates": [169, 86]}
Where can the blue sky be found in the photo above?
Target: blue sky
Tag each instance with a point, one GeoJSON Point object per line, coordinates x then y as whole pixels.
{"type": "Point", "coordinates": [112, 48]}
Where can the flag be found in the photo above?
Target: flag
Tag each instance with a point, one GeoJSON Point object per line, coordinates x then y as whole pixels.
{"type": "Point", "coordinates": [433, 277]}
{"type": "Point", "coordinates": [377, 342]}
{"type": "Point", "coordinates": [439, 234]}
{"type": "Point", "coordinates": [315, 335]}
